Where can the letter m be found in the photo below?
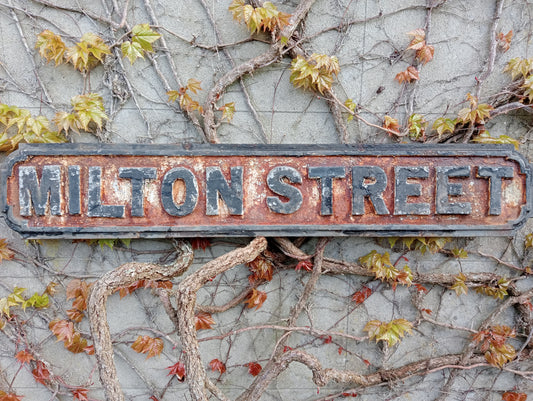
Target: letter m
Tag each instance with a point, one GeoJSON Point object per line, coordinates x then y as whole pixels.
{"type": "Point", "coordinates": [39, 194]}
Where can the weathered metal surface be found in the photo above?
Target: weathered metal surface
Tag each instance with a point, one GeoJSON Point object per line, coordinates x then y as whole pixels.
{"type": "Point", "coordinates": [199, 190]}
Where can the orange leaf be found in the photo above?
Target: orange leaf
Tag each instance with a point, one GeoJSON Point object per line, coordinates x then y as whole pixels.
{"type": "Point", "coordinates": [62, 329]}
{"type": "Point", "coordinates": [24, 357]}
{"type": "Point", "coordinates": [425, 54]}
{"type": "Point", "coordinates": [360, 296]}
{"type": "Point", "coordinates": [75, 315]}
{"type": "Point", "coordinates": [77, 345]}
{"type": "Point", "coordinates": [420, 288]}
{"type": "Point", "coordinates": [10, 397]}
{"type": "Point", "coordinates": [216, 364]}
{"type": "Point", "coordinates": [80, 394]}
{"type": "Point", "coordinates": [89, 350]}
{"type": "Point", "coordinates": [409, 75]}
{"type": "Point", "coordinates": [79, 291]}
{"type": "Point", "coordinates": [419, 39]}
{"type": "Point", "coordinates": [304, 264]}
{"type": "Point", "coordinates": [504, 41]}
{"type": "Point", "coordinates": [254, 368]}
{"type": "Point", "coordinates": [177, 369]}
{"type": "Point", "coordinates": [5, 252]}
{"type": "Point", "coordinates": [512, 396]}
{"type": "Point", "coordinates": [391, 124]}
{"type": "Point", "coordinates": [148, 345]}
{"type": "Point", "coordinates": [40, 373]}
{"type": "Point", "coordinates": [256, 299]}
{"type": "Point", "coordinates": [204, 321]}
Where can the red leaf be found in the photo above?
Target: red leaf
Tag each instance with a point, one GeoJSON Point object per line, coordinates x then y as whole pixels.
{"type": "Point", "coordinates": [511, 396]}
{"type": "Point", "coordinates": [204, 321]}
{"type": "Point", "coordinates": [256, 299]}
{"type": "Point", "coordinates": [287, 348]}
{"type": "Point", "coordinates": [24, 357]}
{"type": "Point", "coordinates": [80, 394]}
{"type": "Point", "coordinates": [254, 368]}
{"type": "Point", "coordinates": [148, 345]}
{"type": "Point", "coordinates": [328, 340]}
{"type": "Point", "coordinates": [420, 288]}
{"type": "Point", "coordinates": [177, 369]}
{"type": "Point", "coordinates": [428, 311]}
{"type": "Point", "coordinates": [261, 269]}
{"type": "Point", "coordinates": [89, 350]}
{"type": "Point", "coordinates": [349, 394]}
{"type": "Point", "coordinates": [216, 364]}
{"type": "Point", "coordinates": [367, 362]}
{"type": "Point", "coordinates": [197, 243]}
{"type": "Point", "coordinates": [360, 296]}
{"type": "Point", "coordinates": [154, 398]}
{"type": "Point", "coordinates": [339, 350]}
{"type": "Point", "coordinates": [304, 264]}
{"type": "Point", "coordinates": [40, 373]}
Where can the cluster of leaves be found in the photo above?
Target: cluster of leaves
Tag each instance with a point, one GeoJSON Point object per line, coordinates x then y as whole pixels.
{"type": "Point", "coordinates": [422, 244]}
{"type": "Point", "coordinates": [391, 332]}
{"type": "Point", "coordinates": [185, 100]}
{"type": "Point", "coordinates": [314, 73]}
{"type": "Point", "coordinates": [141, 39]}
{"type": "Point", "coordinates": [84, 55]}
{"type": "Point", "coordinates": [493, 342]}
{"type": "Point", "coordinates": [20, 127]}
{"type": "Point", "coordinates": [16, 299]}
{"type": "Point", "coordinates": [424, 54]}
{"type": "Point", "coordinates": [381, 266]}
{"type": "Point", "coordinates": [261, 268]}
{"type": "Point", "coordinates": [497, 291]}
{"type": "Point", "coordinates": [266, 18]}
{"type": "Point", "coordinates": [87, 114]}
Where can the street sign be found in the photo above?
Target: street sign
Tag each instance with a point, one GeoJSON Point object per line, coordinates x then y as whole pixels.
{"type": "Point", "coordinates": [88, 191]}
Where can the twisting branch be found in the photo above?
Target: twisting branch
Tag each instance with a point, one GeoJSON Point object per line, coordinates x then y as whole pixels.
{"type": "Point", "coordinates": [186, 301]}
{"type": "Point", "coordinates": [122, 276]}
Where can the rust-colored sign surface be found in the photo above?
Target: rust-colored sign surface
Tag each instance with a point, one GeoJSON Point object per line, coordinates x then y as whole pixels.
{"type": "Point", "coordinates": [199, 190]}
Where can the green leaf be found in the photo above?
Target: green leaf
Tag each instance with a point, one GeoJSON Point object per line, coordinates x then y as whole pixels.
{"type": "Point", "coordinates": [484, 137]}
{"type": "Point", "coordinates": [391, 332]}
{"type": "Point", "coordinates": [228, 110]}
{"type": "Point", "coordinates": [459, 286]}
{"type": "Point", "coordinates": [144, 36]}
{"type": "Point", "coordinates": [37, 301]}
{"type": "Point", "coordinates": [442, 125]}
{"type": "Point", "coordinates": [132, 50]}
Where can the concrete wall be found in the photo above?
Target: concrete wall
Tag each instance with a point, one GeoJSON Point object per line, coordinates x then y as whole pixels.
{"type": "Point", "coordinates": [370, 41]}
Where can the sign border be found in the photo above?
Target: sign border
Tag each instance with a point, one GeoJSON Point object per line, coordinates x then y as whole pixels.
{"type": "Point", "coordinates": [87, 149]}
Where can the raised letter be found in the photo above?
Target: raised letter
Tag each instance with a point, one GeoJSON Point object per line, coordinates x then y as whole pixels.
{"type": "Point", "coordinates": [403, 190]}
{"type": "Point", "coordinates": [374, 190]}
{"type": "Point", "coordinates": [217, 185]}
{"type": "Point", "coordinates": [191, 192]}
{"type": "Point", "coordinates": [31, 192]}
{"type": "Point", "coordinates": [137, 175]}
{"type": "Point", "coordinates": [95, 208]}
{"type": "Point", "coordinates": [495, 175]}
{"type": "Point", "coordinates": [326, 176]}
{"type": "Point", "coordinates": [444, 190]}
{"type": "Point", "coordinates": [277, 185]}
{"type": "Point", "coordinates": [74, 204]}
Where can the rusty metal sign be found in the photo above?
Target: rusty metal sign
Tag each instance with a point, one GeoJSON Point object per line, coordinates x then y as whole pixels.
{"type": "Point", "coordinates": [82, 190]}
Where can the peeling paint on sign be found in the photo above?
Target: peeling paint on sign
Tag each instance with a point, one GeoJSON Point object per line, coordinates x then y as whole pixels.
{"type": "Point", "coordinates": [82, 190]}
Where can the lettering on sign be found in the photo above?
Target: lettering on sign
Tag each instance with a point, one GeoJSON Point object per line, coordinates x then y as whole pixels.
{"type": "Point", "coordinates": [129, 190]}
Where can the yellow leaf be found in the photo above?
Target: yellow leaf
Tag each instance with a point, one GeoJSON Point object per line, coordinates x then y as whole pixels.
{"type": "Point", "coordinates": [131, 50]}
{"type": "Point", "coordinates": [51, 46]}
{"type": "Point", "coordinates": [144, 36]}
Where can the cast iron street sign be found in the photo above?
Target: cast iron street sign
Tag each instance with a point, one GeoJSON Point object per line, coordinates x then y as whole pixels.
{"type": "Point", "coordinates": [82, 190]}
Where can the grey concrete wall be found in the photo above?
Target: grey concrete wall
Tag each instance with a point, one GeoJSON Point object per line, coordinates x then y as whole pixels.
{"type": "Point", "coordinates": [369, 39]}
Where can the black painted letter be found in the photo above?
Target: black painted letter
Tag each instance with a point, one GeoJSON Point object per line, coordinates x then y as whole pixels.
{"type": "Point", "coordinates": [137, 175]}
{"type": "Point", "coordinates": [277, 185]}
{"type": "Point", "coordinates": [403, 190]}
{"type": "Point", "coordinates": [95, 208]}
{"type": "Point", "coordinates": [445, 190]}
{"type": "Point", "coordinates": [74, 191]}
{"type": "Point", "coordinates": [231, 193]}
{"type": "Point", "coordinates": [191, 192]}
{"type": "Point", "coordinates": [374, 190]}
{"type": "Point", "coordinates": [326, 176]}
{"type": "Point", "coordinates": [31, 192]}
{"type": "Point", "coordinates": [495, 175]}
